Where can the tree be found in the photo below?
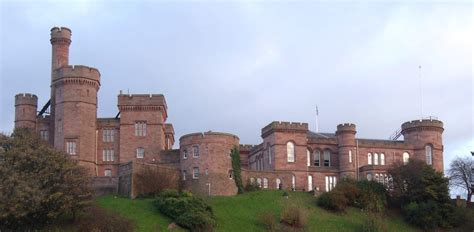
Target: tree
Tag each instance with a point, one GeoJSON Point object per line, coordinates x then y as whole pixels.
{"type": "Point", "coordinates": [236, 167]}
{"type": "Point", "coordinates": [460, 174]}
{"type": "Point", "coordinates": [38, 183]}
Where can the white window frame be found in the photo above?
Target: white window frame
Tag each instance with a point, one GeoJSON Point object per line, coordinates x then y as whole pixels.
{"type": "Point", "coordinates": [429, 154]}
{"type": "Point", "coordinates": [195, 151]}
{"type": "Point", "coordinates": [382, 159]}
{"type": "Point", "coordinates": [369, 158]}
{"type": "Point", "coordinates": [328, 153]}
{"type": "Point", "coordinates": [71, 147]}
{"type": "Point", "coordinates": [108, 135]}
{"type": "Point", "coordinates": [290, 152]}
{"type": "Point", "coordinates": [278, 182]}
{"type": "Point", "coordinates": [376, 159]}
{"type": "Point", "coordinates": [405, 157]}
{"type": "Point", "coordinates": [140, 128]}
{"type": "Point", "coordinates": [108, 155]}
{"type": "Point", "coordinates": [107, 172]}
{"type": "Point", "coordinates": [140, 153]}
{"type": "Point", "coordinates": [350, 156]}
{"type": "Point", "coordinates": [265, 183]}
{"type": "Point", "coordinates": [185, 154]}
{"type": "Point", "coordinates": [317, 158]}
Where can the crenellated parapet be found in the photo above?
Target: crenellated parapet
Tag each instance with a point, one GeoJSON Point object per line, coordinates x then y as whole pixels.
{"type": "Point", "coordinates": [346, 128]}
{"type": "Point", "coordinates": [26, 99]}
{"type": "Point", "coordinates": [77, 74]}
{"type": "Point", "coordinates": [420, 125]}
{"type": "Point", "coordinates": [277, 126]}
{"type": "Point", "coordinates": [141, 102]}
{"type": "Point", "coordinates": [61, 35]}
{"type": "Point", "coordinates": [246, 147]}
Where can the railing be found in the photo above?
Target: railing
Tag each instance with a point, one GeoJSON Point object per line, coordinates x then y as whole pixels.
{"type": "Point", "coordinates": [396, 134]}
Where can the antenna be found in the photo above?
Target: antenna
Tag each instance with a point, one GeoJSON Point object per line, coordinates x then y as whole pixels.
{"type": "Point", "coordinates": [421, 91]}
{"type": "Point", "coordinates": [317, 119]}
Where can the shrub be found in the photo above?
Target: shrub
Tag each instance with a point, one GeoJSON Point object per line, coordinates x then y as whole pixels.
{"type": "Point", "coordinates": [98, 219]}
{"type": "Point", "coordinates": [372, 223]}
{"type": "Point", "coordinates": [250, 187]}
{"type": "Point", "coordinates": [268, 221]}
{"type": "Point", "coordinates": [293, 216]}
{"type": "Point", "coordinates": [150, 180]}
{"type": "Point", "coordinates": [424, 214]}
{"type": "Point", "coordinates": [186, 210]}
{"type": "Point", "coordinates": [372, 196]}
{"type": "Point", "coordinates": [334, 200]}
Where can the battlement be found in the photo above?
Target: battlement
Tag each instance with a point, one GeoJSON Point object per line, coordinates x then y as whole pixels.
{"type": "Point", "coordinates": [246, 147]}
{"type": "Point", "coordinates": [77, 71]}
{"type": "Point", "coordinates": [142, 100]}
{"type": "Point", "coordinates": [284, 126]}
{"type": "Point", "coordinates": [26, 99]}
{"type": "Point", "coordinates": [423, 124]}
{"type": "Point", "coordinates": [346, 127]}
{"type": "Point", "coordinates": [208, 134]}
{"type": "Point", "coordinates": [61, 34]}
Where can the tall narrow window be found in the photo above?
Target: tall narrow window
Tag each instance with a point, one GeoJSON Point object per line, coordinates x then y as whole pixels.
{"type": "Point", "coordinates": [259, 182]}
{"type": "Point", "coordinates": [290, 151]}
{"type": "Point", "coordinates": [195, 151]}
{"type": "Point", "coordinates": [317, 158]}
{"type": "Point", "coordinates": [429, 154]}
{"type": "Point", "coordinates": [406, 157]}
{"type": "Point", "coordinates": [108, 155]}
{"type": "Point", "coordinates": [330, 183]}
{"type": "Point", "coordinates": [230, 173]}
{"type": "Point", "coordinates": [327, 183]}
{"type": "Point", "coordinates": [327, 158]}
{"type": "Point", "coordinates": [140, 153]}
{"type": "Point", "coordinates": [71, 148]}
{"type": "Point", "coordinates": [369, 158]}
{"type": "Point", "coordinates": [350, 156]}
{"type": "Point", "coordinates": [184, 175]}
{"type": "Point", "coordinates": [376, 159]}
{"type": "Point", "coordinates": [140, 128]}
{"type": "Point", "coordinates": [293, 182]}
{"type": "Point", "coordinates": [108, 135]}
{"type": "Point", "coordinates": [308, 158]}
{"type": "Point", "coordinates": [265, 183]}
{"type": "Point", "coordinates": [195, 173]}
{"type": "Point", "coordinates": [382, 159]}
{"type": "Point", "coordinates": [185, 154]}
{"type": "Point", "coordinates": [310, 183]}
{"type": "Point", "coordinates": [269, 154]}
{"type": "Point", "coordinates": [44, 135]}
{"type": "Point", "coordinates": [278, 182]}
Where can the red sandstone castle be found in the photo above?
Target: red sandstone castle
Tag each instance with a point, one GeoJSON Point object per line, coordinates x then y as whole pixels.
{"type": "Point", "coordinates": [290, 156]}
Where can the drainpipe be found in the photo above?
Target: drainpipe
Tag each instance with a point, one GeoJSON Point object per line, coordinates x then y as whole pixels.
{"type": "Point", "coordinates": [357, 159]}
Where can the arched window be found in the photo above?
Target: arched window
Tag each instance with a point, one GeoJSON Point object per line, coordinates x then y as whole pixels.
{"type": "Point", "coordinates": [252, 180]}
{"type": "Point", "coordinates": [382, 159]}
{"type": "Point", "coordinates": [278, 182]}
{"type": "Point", "coordinates": [293, 182]}
{"type": "Point", "coordinates": [376, 159]}
{"type": "Point", "coordinates": [265, 183]}
{"type": "Point", "coordinates": [310, 183]}
{"type": "Point", "coordinates": [406, 157]}
{"type": "Point", "coordinates": [290, 151]}
{"type": "Point", "coordinates": [429, 154]}
{"type": "Point", "coordinates": [377, 177]}
{"type": "Point", "coordinates": [317, 158]}
{"type": "Point", "coordinates": [369, 176]}
{"type": "Point", "coordinates": [327, 158]}
{"type": "Point", "coordinates": [259, 182]}
{"type": "Point", "coordinates": [308, 158]}
{"type": "Point", "coordinates": [369, 158]}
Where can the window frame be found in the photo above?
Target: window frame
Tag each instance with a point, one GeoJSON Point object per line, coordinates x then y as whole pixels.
{"type": "Point", "coordinates": [196, 151]}
{"type": "Point", "coordinates": [327, 152]}
{"type": "Point", "coordinates": [290, 152]}
{"type": "Point", "coordinates": [196, 173]}
{"type": "Point", "coordinates": [140, 152]}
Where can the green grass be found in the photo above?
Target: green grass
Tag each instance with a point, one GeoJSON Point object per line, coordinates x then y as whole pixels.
{"type": "Point", "coordinates": [241, 212]}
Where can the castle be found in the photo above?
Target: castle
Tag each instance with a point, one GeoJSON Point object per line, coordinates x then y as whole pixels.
{"type": "Point", "coordinates": [290, 155]}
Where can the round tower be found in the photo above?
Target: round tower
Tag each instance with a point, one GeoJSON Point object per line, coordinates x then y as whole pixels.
{"type": "Point", "coordinates": [206, 164]}
{"type": "Point", "coordinates": [425, 136]}
{"type": "Point", "coordinates": [347, 148]}
{"type": "Point", "coordinates": [26, 105]}
{"type": "Point", "coordinates": [75, 116]}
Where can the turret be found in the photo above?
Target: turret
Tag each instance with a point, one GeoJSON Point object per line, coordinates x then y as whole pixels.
{"type": "Point", "coordinates": [426, 137]}
{"type": "Point", "coordinates": [26, 105]}
{"type": "Point", "coordinates": [60, 41]}
{"type": "Point", "coordinates": [347, 148]}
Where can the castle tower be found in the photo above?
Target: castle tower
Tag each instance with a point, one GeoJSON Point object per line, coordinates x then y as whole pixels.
{"type": "Point", "coordinates": [347, 148]}
{"type": "Point", "coordinates": [60, 41]}
{"type": "Point", "coordinates": [426, 137]}
{"type": "Point", "coordinates": [75, 116]}
{"type": "Point", "coordinates": [25, 110]}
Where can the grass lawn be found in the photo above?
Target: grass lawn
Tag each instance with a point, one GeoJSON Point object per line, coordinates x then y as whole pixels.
{"type": "Point", "coordinates": [241, 212]}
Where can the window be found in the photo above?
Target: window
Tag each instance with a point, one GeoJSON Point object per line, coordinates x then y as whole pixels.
{"type": "Point", "coordinates": [140, 152]}
{"type": "Point", "coordinates": [108, 135]}
{"type": "Point", "coordinates": [44, 135]}
{"type": "Point", "coordinates": [327, 158]}
{"type": "Point", "coordinates": [317, 158]}
{"type": "Point", "coordinates": [184, 175]}
{"type": "Point", "coordinates": [230, 173]}
{"type": "Point", "coordinates": [140, 128]}
{"type": "Point", "coordinates": [290, 151]}
{"type": "Point", "coordinates": [377, 177]}
{"type": "Point", "coordinates": [278, 182]}
{"type": "Point", "coordinates": [406, 157]}
{"type": "Point", "coordinates": [195, 151]}
{"type": "Point", "coordinates": [330, 183]}
{"type": "Point", "coordinates": [108, 172]}
{"type": "Point", "coordinates": [429, 154]}
{"type": "Point", "coordinates": [369, 176]}
{"type": "Point", "coordinates": [265, 183]}
{"type": "Point", "coordinates": [308, 158]}
{"type": "Point", "coordinates": [382, 159]}
{"type": "Point", "coordinates": [369, 158]}
{"type": "Point", "coordinates": [108, 155]}
{"type": "Point", "coordinates": [195, 173]}
{"type": "Point", "coordinates": [350, 156]}
{"type": "Point", "coordinates": [71, 148]}
{"type": "Point", "coordinates": [252, 180]}
{"type": "Point", "coordinates": [293, 182]}
{"type": "Point", "coordinates": [259, 182]}
{"type": "Point", "coordinates": [310, 183]}
{"type": "Point", "coordinates": [185, 154]}
{"type": "Point", "coordinates": [207, 171]}
{"type": "Point", "coordinates": [376, 159]}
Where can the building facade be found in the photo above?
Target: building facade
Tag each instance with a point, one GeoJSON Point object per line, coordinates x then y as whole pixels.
{"type": "Point", "coordinates": [290, 155]}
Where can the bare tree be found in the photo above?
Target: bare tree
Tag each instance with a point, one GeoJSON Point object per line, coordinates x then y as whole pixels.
{"type": "Point", "coordinates": [460, 174]}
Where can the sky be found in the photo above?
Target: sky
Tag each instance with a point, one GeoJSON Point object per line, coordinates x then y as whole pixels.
{"type": "Point", "coordinates": [235, 66]}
